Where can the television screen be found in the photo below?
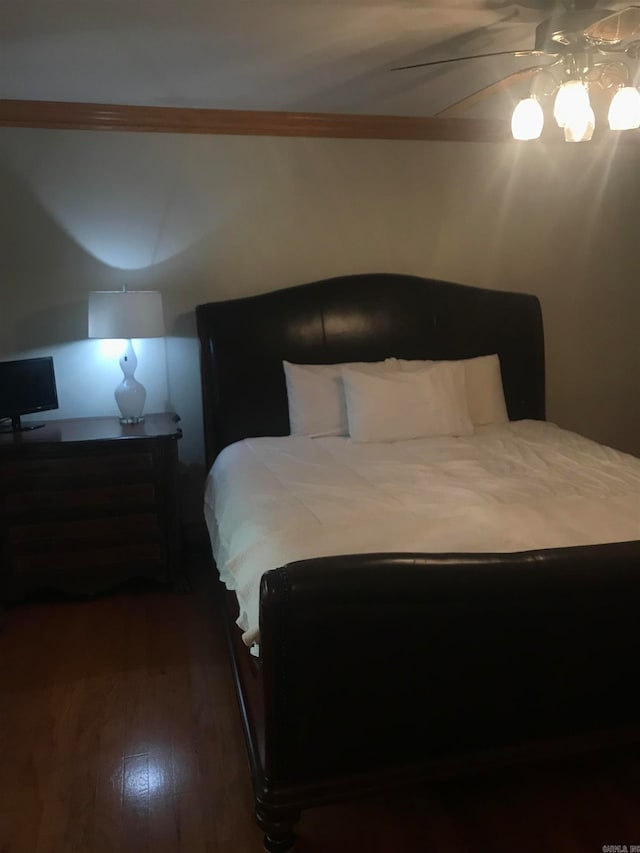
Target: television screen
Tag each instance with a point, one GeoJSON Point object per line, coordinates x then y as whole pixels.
{"type": "Point", "coordinates": [27, 385]}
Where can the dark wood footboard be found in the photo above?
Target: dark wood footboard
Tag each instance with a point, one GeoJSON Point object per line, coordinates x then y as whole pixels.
{"type": "Point", "coordinates": [379, 670]}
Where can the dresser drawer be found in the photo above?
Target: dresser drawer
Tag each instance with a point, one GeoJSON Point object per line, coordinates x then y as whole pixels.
{"type": "Point", "coordinates": [73, 471]}
{"type": "Point", "coordinates": [87, 561]}
{"type": "Point", "coordinates": [128, 528]}
{"type": "Point", "coordinates": [56, 502]}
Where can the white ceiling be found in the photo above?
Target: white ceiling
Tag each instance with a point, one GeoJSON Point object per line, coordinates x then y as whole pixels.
{"type": "Point", "coordinates": [308, 55]}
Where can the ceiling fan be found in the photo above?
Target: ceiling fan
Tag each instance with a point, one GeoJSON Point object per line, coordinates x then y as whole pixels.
{"type": "Point", "coordinates": [588, 49]}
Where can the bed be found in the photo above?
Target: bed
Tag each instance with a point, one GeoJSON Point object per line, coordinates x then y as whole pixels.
{"type": "Point", "coordinates": [389, 667]}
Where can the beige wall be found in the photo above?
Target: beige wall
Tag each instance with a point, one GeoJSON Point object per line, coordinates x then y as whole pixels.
{"type": "Point", "coordinates": [204, 218]}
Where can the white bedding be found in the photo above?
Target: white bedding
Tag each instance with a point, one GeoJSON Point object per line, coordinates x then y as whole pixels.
{"type": "Point", "coordinates": [513, 487]}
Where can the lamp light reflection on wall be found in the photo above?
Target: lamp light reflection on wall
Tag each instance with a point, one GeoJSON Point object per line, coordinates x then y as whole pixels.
{"type": "Point", "coordinates": [527, 120]}
{"type": "Point", "coordinates": [127, 314]}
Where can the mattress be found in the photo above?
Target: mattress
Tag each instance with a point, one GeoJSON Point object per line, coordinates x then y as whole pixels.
{"type": "Point", "coordinates": [512, 487]}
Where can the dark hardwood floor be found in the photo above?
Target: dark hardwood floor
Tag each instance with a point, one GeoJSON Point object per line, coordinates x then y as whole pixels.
{"type": "Point", "coordinates": [119, 731]}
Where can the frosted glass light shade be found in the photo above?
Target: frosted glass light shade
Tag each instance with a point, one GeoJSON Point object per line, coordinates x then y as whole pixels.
{"type": "Point", "coordinates": [580, 126]}
{"type": "Point", "coordinates": [527, 120]}
{"type": "Point", "coordinates": [572, 99]}
{"type": "Point", "coordinates": [126, 314]}
{"type": "Point", "coordinates": [624, 110]}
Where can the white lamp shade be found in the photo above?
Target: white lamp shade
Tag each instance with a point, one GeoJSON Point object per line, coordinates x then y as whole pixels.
{"type": "Point", "coordinates": [126, 314]}
{"type": "Point", "coordinates": [527, 120]}
{"type": "Point", "coordinates": [624, 111]}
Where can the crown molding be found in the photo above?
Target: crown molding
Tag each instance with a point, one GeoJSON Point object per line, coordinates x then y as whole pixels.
{"type": "Point", "coordinates": [64, 115]}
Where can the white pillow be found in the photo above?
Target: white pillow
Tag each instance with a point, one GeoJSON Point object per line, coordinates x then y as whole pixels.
{"type": "Point", "coordinates": [485, 393]}
{"type": "Point", "coordinates": [407, 404]}
{"type": "Point", "coordinates": [315, 395]}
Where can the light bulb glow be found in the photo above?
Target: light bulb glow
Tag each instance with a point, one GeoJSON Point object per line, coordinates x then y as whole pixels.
{"type": "Point", "coordinates": [527, 120]}
{"type": "Point", "coordinates": [572, 99]}
{"type": "Point", "coordinates": [624, 111]}
{"type": "Point", "coordinates": [580, 126]}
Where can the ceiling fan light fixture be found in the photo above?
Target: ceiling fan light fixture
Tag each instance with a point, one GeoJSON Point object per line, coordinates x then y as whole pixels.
{"type": "Point", "coordinates": [624, 110]}
{"type": "Point", "coordinates": [572, 103]}
{"type": "Point", "coordinates": [580, 126]}
{"type": "Point", "coordinates": [527, 120]}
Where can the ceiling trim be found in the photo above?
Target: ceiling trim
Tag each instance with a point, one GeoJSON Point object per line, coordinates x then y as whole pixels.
{"type": "Point", "coordinates": [63, 115]}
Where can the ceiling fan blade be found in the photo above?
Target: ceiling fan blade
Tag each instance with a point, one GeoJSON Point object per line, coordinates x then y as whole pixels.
{"type": "Point", "coordinates": [474, 56]}
{"type": "Point", "coordinates": [491, 89]}
{"type": "Point", "coordinates": [615, 28]}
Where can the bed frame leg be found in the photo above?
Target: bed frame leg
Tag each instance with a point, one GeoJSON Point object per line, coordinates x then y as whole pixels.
{"type": "Point", "coordinates": [278, 824]}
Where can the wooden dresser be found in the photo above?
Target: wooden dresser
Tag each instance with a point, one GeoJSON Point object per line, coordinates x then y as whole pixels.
{"type": "Point", "coordinates": [88, 503]}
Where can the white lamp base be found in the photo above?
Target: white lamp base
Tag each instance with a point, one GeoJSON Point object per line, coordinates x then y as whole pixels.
{"type": "Point", "coordinates": [130, 394]}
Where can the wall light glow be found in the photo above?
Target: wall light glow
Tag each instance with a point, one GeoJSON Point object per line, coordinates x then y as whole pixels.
{"type": "Point", "coordinates": [131, 202]}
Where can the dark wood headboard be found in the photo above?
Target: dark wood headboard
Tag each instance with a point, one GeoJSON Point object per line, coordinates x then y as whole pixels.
{"type": "Point", "coordinates": [357, 318]}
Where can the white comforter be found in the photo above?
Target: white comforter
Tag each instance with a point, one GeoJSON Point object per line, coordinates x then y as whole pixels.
{"type": "Point", "coordinates": [513, 487]}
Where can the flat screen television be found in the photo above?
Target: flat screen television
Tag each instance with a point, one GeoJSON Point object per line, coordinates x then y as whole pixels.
{"type": "Point", "coordinates": [26, 385]}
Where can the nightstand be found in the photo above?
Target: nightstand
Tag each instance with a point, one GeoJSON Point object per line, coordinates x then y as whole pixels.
{"type": "Point", "coordinates": [88, 503]}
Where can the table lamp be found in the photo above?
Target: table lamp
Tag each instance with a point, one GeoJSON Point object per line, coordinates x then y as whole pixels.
{"type": "Point", "coordinates": [127, 314]}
